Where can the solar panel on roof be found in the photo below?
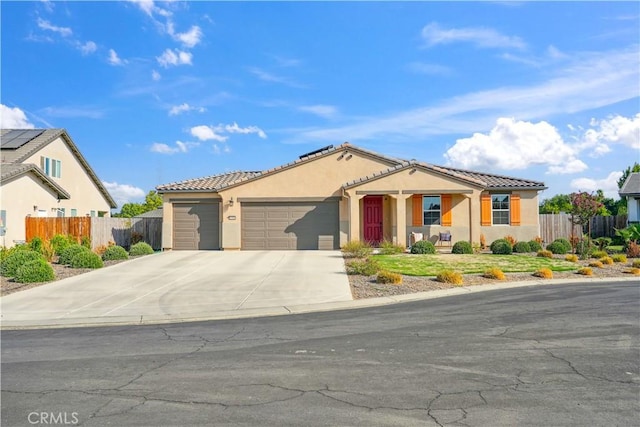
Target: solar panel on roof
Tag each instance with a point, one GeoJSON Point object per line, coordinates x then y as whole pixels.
{"type": "Point", "coordinates": [17, 138]}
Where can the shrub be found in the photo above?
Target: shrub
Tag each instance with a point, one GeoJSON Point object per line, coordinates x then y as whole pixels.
{"type": "Point", "coordinates": [606, 260]}
{"type": "Point", "coordinates": [535, 246]}
{"type": "Point", "coordinates": [585, 271]}
{"type": "Point", "coordinates": [389, 277]}
{"type": "Point", "coordinates": [353, 249]}
{"type": "Point", "coordinates": [140, 248]}
{"type": "Point", "coordinates": [450, 276]}
{"type": "Point", "coordinates": [545, 254]}
{"type": "Point", "coordinates": [70, 252]}
{"type": "Point", "coordinates": [483, 241]}
{"type": "Point", "coordinates": [602, 242]}
{"type": "Point", "coordinates": [390, 248]}
{"type": "Point", "coordinates": [565, 243]}
{"type": "Point", "coordinates": [599, 254]}
{"type": "Point", "coordinates": [571, 258]}
{"type": "Point", "coordinates": [522, 248]}
{"type": "Point", "coordinates": [136, 237]}
{"type": "Point", "coordinates": [557, 248]}
{"type": "Point", "coordinates": [16, 259]}
{"type": "Point", "coordinates": [633, 250]}
{"type": "Point", "coordinates": [86, 259]}
{"type": "Point", "coordinates": [34, 271]}
{"type": "Point", "coordinates": [635, 263]}
{"type": "Point", "coordinates": [36, 244]}
{"type": "Point", "coordinates": [619, 258]}
{"type": "Point", "coordinates": [86, 241]}
{"type": "Point", "coordinates": [363, 267]}
{"type": "Point", "coordinates": [596, 264]}
{"type": "Point", "coordinates": [634, 271]}
{"type": "Point", "coordinates": [60, 242]}
{"type": "Point", "coordinates": [501, 247]}
{"type": "Point", "coordinates": [423, 247]}
{"type": "Point", "coordinates": [115, 252]}
{"type": "Point", "coordinates": [512, 240]}
{"type": "Point", "coordinates": [544, 273]}
{"type": "Point", "coordinates": [584, 248]}
{"type": "Point", "coordinates": [494, 273]}
{"type": "Point", "coordinates": [462, 247]}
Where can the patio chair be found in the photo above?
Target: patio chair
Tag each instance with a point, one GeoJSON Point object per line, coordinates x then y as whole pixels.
{"type": "Point", "coordinates": [445, 236]}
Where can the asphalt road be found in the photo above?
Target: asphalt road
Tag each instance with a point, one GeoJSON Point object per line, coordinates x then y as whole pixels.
{"type": "Point", "coordinates": [565, 355]}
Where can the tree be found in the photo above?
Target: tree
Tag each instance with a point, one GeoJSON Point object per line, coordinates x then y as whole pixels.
{"type": "Point", "coordinates": [151, 201]}
{"type": "Point", "coordinates": [628, 171]}
{"type": "Point", "coordinates": [556, 204]}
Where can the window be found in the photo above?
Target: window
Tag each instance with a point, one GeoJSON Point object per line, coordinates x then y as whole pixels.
{"type": "Point", "coordinates": [431, 210]}
{"type": "Point", "coordinates": [3, 222]}
{"type": "Point", "coordinates": [93, 213]}
{"type": "Point", "coordinates": [74, 212]}
{"type": "Point", "coordinates": [61, 212]}
{"type": "Point", "coordinates": [51, 167]}
{"type": "Point", "coordinates": [500, 209]}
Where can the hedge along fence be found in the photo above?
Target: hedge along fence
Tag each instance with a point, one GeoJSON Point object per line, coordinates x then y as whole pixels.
{"type": "Point", "coordinates": [101, 231]}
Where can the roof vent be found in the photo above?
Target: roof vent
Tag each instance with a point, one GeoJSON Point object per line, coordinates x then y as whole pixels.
{"type": "Point", "coordinates": [311, 153]}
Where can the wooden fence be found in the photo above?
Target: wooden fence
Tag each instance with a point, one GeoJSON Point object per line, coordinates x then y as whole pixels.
{"type": "Point", "coordinates": [101, 231]}
{"type": "Point", "coordinates": [554, 226]}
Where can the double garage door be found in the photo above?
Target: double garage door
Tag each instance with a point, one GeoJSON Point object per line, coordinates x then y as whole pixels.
{"type": "Point", "coordinates": [196, 226]}
{"type": "Point", "coordinates": [290, 225]}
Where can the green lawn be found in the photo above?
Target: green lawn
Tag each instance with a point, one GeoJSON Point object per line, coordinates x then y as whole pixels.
{"type": "Point", "coordinates": [431, 265]}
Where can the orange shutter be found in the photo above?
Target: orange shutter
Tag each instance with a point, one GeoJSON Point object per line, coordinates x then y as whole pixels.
{"type": "Point", "coordinates": [446, 209]}
{"type": "Point", "coordinates": [515, 209]}
{"type": "Point", "coordinates": [417, 219]}
{"type": "Point", "coordinates": [485, 209]}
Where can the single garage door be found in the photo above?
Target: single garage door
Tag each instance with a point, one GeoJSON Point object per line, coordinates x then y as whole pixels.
{"type": "Point", "coordinates": [290, 225]}
{"type": "Point", "coordinates": [196, 226]}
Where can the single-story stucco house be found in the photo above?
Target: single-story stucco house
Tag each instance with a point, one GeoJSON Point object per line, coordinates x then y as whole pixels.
{"type": "Point", "coordinates": [334, 195]}
{"type": "Point", "coordinates": [631, 191]}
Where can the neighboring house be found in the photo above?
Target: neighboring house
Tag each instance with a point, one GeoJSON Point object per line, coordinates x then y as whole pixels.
{"type": "Point", "coordinates": [156, 213]}
{"type": "Point", "coordinates": [631, 190]}
{"type": "Point", "coordinates": [43, 174]}
{"type": "Point", "coordinates": [338, 194]}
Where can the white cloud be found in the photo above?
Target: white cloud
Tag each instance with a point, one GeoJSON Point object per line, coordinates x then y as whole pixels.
{"type": "Point", "coordinates": [114, 59]}
{"type": "Point", "coordinates": [174, 57]}
{"type": "Point", "coordinates": [206, 133]}
{"type": "Point", "coordinates": [46, 25]}
{"type": "Point", "coordinates": [13, 118]}
{"type": "Point", "coordinates": [181, 147]}
{"type": "Point", "coordinates": [183, 108]}
{"type": "Point", "coordinates": [87, 48]}
{"type": "Point", "coordinates": [515, 145]}
{"type": "Point", "coordinates": [433, 35]}
{"type": "Point", "coordinates": [123, 193]}
{"type": "Point", "coordinates": [608, 185]}
{"type": "Point", "coordinates": [617, 129]}
{"type": "Point", "coordinates": [155, 76]}
{"type": "Point", "coordinates": [326, 111]}
{"type": "Point", "coordinates": [188, 39]}
{"type": "Point", "coordinates": [234, 128]}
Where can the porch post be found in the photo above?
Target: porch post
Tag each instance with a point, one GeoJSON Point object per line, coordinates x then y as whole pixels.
{"type": "Point", "coordinates": [401, 219]}
{"type": "Point", "coordinates": [354, 215]}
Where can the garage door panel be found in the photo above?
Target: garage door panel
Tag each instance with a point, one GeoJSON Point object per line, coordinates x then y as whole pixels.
{"type": "Point", "coordinates": [290, 225]}
{"type": "Point", "coordinates": [196, 226]}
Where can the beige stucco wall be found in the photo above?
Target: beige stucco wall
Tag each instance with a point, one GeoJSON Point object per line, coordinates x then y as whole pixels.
{"type": "Point", "coordinates": [18, 198]}
{"type": "Point", "coordinates": [167, 213]}
{"type": "Point", "coordinates": [85, 195]}
{"type": "Point", "coordinates": [460, 228]}
{"type": "Point", "coordinates": [529, 221]}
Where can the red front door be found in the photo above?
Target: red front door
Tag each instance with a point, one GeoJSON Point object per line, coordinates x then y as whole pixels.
{"type": "Point", "coordinates": [372, 219]}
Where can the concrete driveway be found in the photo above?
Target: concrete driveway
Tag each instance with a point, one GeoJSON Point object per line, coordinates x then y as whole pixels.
{"type": "Point", "coordinates": [182, 285]}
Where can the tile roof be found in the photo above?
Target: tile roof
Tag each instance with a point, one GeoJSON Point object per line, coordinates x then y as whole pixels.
{"type": "Point", "coordinates": [12, 170]}
{"type": "Point", "coordinates": [19, 155]}
{"type": "Point", "coordinates": [631, 186]}
{"type": "Point", "coordinates": [207, 183]}
{"type": "Point", "coordinates": [478, 179]}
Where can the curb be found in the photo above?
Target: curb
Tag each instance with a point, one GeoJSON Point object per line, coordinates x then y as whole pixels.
{"type": "Point", "coordinates": [293, 309]}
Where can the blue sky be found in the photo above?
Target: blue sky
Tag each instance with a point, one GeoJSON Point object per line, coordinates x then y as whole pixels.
{"type": "Point", "coordinates": [156, 92]}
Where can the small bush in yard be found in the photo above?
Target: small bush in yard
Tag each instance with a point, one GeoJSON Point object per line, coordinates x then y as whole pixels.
{"type": "Point", "coordinates": [571, 258]}
{"type": "Point", "coordinates": [585, 271]}
{"type": "Point", "coordinates": [16, 259]}
{"type": "Point", "coordinates": [354, 249]}
{"type": "Point", "coordinates": [140, 248]}
{"type": "Point", "coordinates": [86, 259]}
{"type": "Point", "coordinates": [565, 243]}
{"type": "Point", "coordinates": [366, 267]}
{"type": "Point", "coordinates": [36, 244]}
{"type": "Point", "coordinates": [462, 247]}
{"type": "Point", "coordinates": [535, 246]}
{"type": "Point", "coordinates": [388, 277]}
{"type": "Point", "coordinates": [633, 250]}
{"type": "Point", "coordinates": [557, 248]}
{"type": "Point", "coordinates": [522, 248]}
{"type": "Point", "coordinates": [450, 276]}
{"type": "Point", "coordinates": [596, 264]}
{"type": "Point", "coordinates": [67, 254]}
{"type": "Point", "coordinates": [544, 273]}
{"type": "Point", "coordinates": [599, 254]}
{"type": "Point", "coordinates": [494, 273]}
{"type": "Point", "coordinates": [501, 247]}
{"type": "Point", "coordinates": [390, 248]}
{"type": "Point", "coordinates": [634, 271]}
{"type": "Point", "coordinates": [512, 240]}
{"type": "Point", "coordinates": [606, 260]}
{"type": "Point", "coordinates": [60, 242]}
{"type": "Point", "coordinates": [423, 247]}
{"type": "Point", "coordinates": [34, 271]}
{"type": "Point", "coordinates": [619, 258]}
{"type": "Point", "coordinates": [635, 263]}
{"type": "Point", "coordinates": [115, 252]}
{"type": "Point", "coordinates": [545, 254]}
